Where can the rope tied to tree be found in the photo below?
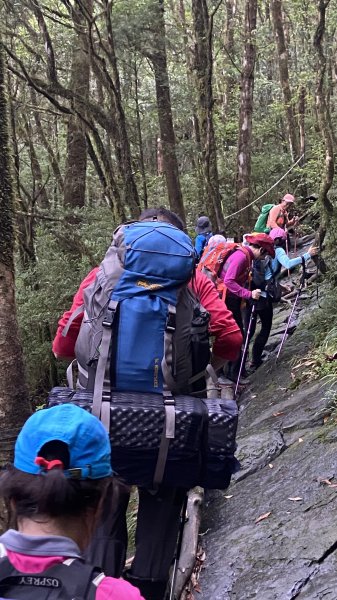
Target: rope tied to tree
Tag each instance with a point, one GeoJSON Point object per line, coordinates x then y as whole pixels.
{"type": "Point", "coordinates": [267, 192]}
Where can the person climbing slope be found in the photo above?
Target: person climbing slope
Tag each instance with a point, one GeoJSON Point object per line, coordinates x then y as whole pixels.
{"type": "Point", "coordinates": [278, 215]}
{"type": "Point", "coordinates": [159, 511]}
{"type": "Point", "coordinates": [281, 259]}
{"type": "Point", "coordinates": [204, 233]}
{"type": "Point", "coordinates": [269, 269]}
{"type": "Point", "coordinates": [235, 276]}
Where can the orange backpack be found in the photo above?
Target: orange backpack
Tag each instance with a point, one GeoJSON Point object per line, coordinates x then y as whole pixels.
{"type": "Point", "coordinates": [213, 259]}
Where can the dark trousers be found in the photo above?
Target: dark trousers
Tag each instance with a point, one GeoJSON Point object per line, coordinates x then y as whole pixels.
{"type": "Point", "coordinates": [263, 311]}
{"type": "Point", "coordinates": [158, 521]}
{"type": "Point", "coordinates": [233, 303]}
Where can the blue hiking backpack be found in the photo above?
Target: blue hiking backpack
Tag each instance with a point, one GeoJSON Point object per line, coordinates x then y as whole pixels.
{"type": "Point", "coordinates": [142, 353]}
{"type": "Point", "coordinates": [140, 318]}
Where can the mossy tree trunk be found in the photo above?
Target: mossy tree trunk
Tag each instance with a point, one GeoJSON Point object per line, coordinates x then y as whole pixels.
{"type": "Point", "coordinates": [323, 121]}
{"type": "Point", "coordinates": [14, 404]}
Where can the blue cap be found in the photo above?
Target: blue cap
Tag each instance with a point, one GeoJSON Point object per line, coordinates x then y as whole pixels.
{"type": "Point", "coordinates": [87, 440]}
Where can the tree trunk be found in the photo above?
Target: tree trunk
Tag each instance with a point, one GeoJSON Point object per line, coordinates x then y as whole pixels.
{"type": "Point", "coordinates": [140, 137]}
{"type": "Point", "coordinates": [24, 225]}
{"type": "Point", "coordinates": [328, 171]}
{"type": "Point", "coordinates": [122, 143]}
{"type": "Point", "coordinates": [243, 175]}
{"type": "Point", "coordinates": [282, 53]}
{"type": "Point", "coordinates": [230, 80]}
{"type": "Point", "coordinates": [76, 161]}
{"type": "Point", "coordinates": [14, 404]}
{"type": "Point", "coordinates": [167, 135]}
{"type": "Point", "coordinates": [46, 143]}
{"type": "Point", "coordinates": [203, 32]}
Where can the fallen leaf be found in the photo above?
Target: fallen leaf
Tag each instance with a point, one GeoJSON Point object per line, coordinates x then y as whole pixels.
{"type": "Point", "coordinates": [278, 414]}
{"type": "Point", "coordinates": [296, 498]}
{"type": "Point", "coordinates": [262, 517]}
{"type": "Point", "coordinates": [254, 396]}
{"type": "Point", "coordinates": [326, 419]}
{"type": "Point", "coordinates": [229, 496]}
{"type": "Point", "coordinates": [300, 440]}
{"type": "Point", "coordinates": [271, 466]}
{"type": "Point", "coordinates": [326, 481]}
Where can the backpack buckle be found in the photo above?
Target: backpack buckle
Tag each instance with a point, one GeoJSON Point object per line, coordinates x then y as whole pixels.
{"type": "Point", "coordinates": [109, 317]}
{"type": "Point", "coordinates": [171, 322]}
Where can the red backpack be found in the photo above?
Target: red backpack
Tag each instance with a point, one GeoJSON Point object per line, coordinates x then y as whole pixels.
{"type": "Point", "coordinates": [213, 259]}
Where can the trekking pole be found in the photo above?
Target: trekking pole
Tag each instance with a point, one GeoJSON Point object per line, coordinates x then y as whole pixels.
{"type": "Point", "coordinates": [252, 315]}
{"type": "Point", "coordinates": [302, 280]}
{"type": "Point", "coordinates": [183, 516]}
{"type": "Point", "coordinates": [295, 242]}
{"type": "Point", "coordinates": [287, 247]}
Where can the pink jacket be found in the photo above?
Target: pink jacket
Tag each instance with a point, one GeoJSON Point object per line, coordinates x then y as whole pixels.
{"type": "Point", "coordinates": [235, 273]}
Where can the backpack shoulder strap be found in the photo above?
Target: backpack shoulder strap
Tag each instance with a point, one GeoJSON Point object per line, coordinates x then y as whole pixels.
{"type": "Point", "coordinates": [246, 252]}
{"type": "Point", "coordinates": [79, 580]}
{"type": "Point", "coordinates": [88, 579]}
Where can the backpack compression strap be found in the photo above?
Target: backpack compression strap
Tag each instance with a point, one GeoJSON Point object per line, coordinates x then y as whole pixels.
{"type": "Point", "coordinates": [169, 401]}
{"type": "Point", "coordinates": [101, 409]}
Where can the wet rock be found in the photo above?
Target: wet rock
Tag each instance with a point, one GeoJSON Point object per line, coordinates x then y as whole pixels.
{"type": "Point", "coordinates": [272, 559]}
{"type": "Point", "coordinates": [272, 535]}
{"type": "Point", "coordinates": [256, 451]}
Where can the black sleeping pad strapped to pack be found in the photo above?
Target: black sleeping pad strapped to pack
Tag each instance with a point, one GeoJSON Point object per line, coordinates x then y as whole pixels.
{"type": "Point", "coordinates": [200, 453]}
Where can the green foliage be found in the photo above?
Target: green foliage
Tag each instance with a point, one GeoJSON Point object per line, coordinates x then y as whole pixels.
{"type": "Point", "coordinates": [321, 362]}
{"type": "Point", "coordinates": [46, 290]}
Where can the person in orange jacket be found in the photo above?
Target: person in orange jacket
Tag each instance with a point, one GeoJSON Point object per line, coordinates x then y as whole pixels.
{"type": "Point", "coordinates": [278, 216]}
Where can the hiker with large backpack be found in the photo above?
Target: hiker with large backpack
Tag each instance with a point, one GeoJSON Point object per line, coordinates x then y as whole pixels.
{"type": "Point", "coordinates": [203, 230]}
{"type": "Point", "coordinates": [53, 493]}
{"type": "Point", "coordinates": [159, 509]}
{"type": "Point", "coordinates": [233, 266]}
{"type": "Point", "coordinates": [275, 215]}
{"type": "Point", "coordinates": [278, 215]}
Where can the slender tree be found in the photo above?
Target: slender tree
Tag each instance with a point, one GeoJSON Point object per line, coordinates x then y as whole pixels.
{"type": "Point", "coordinates": [158, 58]}
{"type": "Point", "coordinates": [321, 106]}
{"type": "Point", "coordinates": [203, 32]}
{"type": "Point", "coordinates": [76, 158]}
{"type": "Point", "coordinates": [282, 54]}
{"type": "Point", "coordinates": [243, 174]}
{"type": "Point", "coordinates": [14, 404]}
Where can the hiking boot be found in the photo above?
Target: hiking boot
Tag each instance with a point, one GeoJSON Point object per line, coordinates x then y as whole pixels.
{"type": "Point", "coordinates": [253, 366]}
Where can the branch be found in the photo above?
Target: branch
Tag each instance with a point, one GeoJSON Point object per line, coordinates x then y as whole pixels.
{"type": "Point", "coordinates": [35, 83]}
{"type": "Point", "coordinates": [51, 66]}
{"type": "Point", "coordinates": [38, 216]}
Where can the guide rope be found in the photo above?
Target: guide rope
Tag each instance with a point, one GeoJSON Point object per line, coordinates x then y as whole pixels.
{"type": "Point", "coordinates": [267, 192]}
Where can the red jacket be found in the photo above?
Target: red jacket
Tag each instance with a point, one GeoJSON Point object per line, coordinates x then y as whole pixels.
{"type": "Point", "coordinates": [223, 327]}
